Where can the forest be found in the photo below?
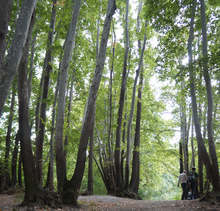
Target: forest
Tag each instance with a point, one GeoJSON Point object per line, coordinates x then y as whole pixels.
{"type": "Point", "coordinates": [113, 97]}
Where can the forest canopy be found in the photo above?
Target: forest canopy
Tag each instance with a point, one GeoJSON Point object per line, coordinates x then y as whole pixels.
{"type": "Point", "coordinates": [108, 97]}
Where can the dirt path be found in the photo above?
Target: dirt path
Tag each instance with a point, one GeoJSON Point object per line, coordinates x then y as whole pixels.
{"type": "Point", "coordinates": [9, 202]}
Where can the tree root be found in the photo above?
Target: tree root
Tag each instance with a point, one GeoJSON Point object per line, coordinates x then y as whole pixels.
{"type": "Point", "coordinates": [43, 198]}
{"type": "Point", "coordinates": [212, 197]}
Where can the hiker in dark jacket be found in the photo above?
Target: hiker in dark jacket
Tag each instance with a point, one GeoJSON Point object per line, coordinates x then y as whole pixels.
{"type": "Point", "coordinates": [193, 180]}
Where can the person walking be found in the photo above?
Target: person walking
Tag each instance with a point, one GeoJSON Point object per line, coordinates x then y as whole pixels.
{"type": "Point", "coordinates": [183, 181]}
{"type": "Point", "coordinates": [193, 179]}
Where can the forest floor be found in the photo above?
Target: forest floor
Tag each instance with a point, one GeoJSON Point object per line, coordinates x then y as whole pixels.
{"type": "Point", "coordinates": [95, 202]}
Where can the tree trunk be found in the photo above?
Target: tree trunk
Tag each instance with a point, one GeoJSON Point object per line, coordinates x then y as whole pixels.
{"type": "Point", "coordinates": [6, 177]}
{"type": "Point", "coordinates": [192, 145]}
{"type": "Point", "coordinates": [5, 11]}
{"type": "Point", "coordinates": [135, 176]}
{"type": "Point", "coordinates": [68, 121]}
{"type": "Point", "coordinates": [50, 175]}
{"type": "Point", "coordinates": [14, 161]}
{"type": "Point", "coordinates": [68, 49]}
{"type": "Point", "coordinates": [212, 150]}
{"type": "Point", "coordinates": [24, 128]}
{"type": "Point", "coordinates": [90, 165]}
{"type": "Point", "coordinates": [47, 69]}
{"type": "Point", "coordinates": [110, 95]}
{"type": "Point", "coordinates": [184, 130]}
{"type": "Point", "coordinates": [204, 155]}
{"type": "Point", "coordinates": [119, 181]}
{"type": "Point", "coordinates": [72, 189]}
{"type": "Point", "coordinates": [181, 156]}
{"type": "Point", "coordinates": [12, 60]}
{"type": "Point", "coordinates": [130, 123]}
{"type": "Point", "coordinates": [20, 183]}
{"type": "Point", "coordinates": [30, 76]}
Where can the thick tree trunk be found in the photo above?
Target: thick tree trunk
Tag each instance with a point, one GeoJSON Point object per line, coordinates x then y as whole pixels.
{"type": "Point", "coordinates": [24, 128]}
{"type": "Point", "coordinates": [68, 49]}
{"type": "Point", "coordinates": [212, 150]}
{"type": "Point", "coordinates": [12, 60]}
{"type": "Point", "coordinates": [47, 69]}
{"type": "Point", "coordinates": [33, 193]}
{"type": "Point", "coordinates": [72, 189]}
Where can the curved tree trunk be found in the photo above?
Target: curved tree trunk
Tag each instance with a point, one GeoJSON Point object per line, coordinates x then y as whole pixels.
{"type": "Point", "coordinates": [67, 56]}
{"type": "Point", "coordinates": [72, 189]}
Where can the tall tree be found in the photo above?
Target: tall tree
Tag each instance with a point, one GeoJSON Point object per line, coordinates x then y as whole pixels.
{"type": "Point", "coordinates": [204, 154]}
{"type": "Point", "coordinates": [24, 127]}
{"type": "Point", "coordinates": [46, 80]}
{"type": "Point", "coordinates": [119, 181]}
{"type": "Point", "coordinates": [67, 56]}
{"type": "Point", "coordinates": [212, 150]}
{"type": "Point", "coordinates": [72, 187]}
{"type": "Point", "coordinates": [135, 175]}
